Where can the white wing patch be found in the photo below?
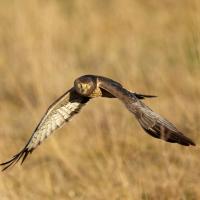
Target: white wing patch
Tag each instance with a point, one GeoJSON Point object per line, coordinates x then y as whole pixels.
{"type": "Point", "coordinates": [54, 120]}
{"type": "Point", "coordinates": [58, 113]}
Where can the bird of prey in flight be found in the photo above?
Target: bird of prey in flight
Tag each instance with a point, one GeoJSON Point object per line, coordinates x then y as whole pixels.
{"type": "Point", "coordinates": [86, 88]}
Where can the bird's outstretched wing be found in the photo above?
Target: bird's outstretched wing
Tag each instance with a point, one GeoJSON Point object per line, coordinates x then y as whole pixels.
{"type": "Point", "coordinates": [151, 122]}
{"type": "Point", "coordinates": [158, 127]}
{"type": "Point", "coordinates": [57, 114]}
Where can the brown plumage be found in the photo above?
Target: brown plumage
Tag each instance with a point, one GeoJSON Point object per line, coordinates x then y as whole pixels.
{"type": "Point", "coordinates": [91, 86]}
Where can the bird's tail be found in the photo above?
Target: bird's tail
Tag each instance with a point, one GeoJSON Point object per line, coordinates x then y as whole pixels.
{"type": "Point", "coordinates": [143, 96]}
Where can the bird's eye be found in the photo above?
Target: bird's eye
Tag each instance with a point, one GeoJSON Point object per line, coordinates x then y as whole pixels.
{"type": "Point", "coordinates": [79, 85]}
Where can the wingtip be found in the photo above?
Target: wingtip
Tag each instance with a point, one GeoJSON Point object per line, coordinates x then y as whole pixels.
{"type": "Point", "coordinates": [187, 143]}
{"type": "Point", "coordinates": [192, 143]}
{"type": "Point", "coordinates": [22, 154]}
{"type": "Point", "coordinates": [184, 140]}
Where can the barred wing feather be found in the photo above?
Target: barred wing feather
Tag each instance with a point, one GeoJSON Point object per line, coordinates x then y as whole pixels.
{"type": "Point", "coordinates": [159, 127]}
{"type": "Point", "coordinates": [57, 114]}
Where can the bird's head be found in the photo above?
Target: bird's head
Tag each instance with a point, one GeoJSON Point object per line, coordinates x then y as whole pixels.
{"type": "Point", "coordinates": [85, 85]}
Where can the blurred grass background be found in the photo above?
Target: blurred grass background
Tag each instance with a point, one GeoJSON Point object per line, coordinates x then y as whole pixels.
{"type": "Point", "coordinates": [150, 47]}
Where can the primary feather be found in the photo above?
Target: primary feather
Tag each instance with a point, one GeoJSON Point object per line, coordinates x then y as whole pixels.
{"type": "Point", "coordinates": [159, 127]}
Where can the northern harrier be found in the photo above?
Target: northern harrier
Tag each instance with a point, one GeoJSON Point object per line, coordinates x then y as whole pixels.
{"type": "Point", "coordinates": [91, 86]}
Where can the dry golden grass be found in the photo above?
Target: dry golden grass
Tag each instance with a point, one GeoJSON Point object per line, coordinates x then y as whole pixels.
{"type": "Point", "coordinates": [150, 47]}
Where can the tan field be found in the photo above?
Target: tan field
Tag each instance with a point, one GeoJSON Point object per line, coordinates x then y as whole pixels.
{"type": "Point", "coordinates": [152, 47]}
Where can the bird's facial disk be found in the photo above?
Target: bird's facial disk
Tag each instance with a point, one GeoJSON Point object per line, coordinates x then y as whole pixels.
{"type": "Point", "coordinates": [85, 86]}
